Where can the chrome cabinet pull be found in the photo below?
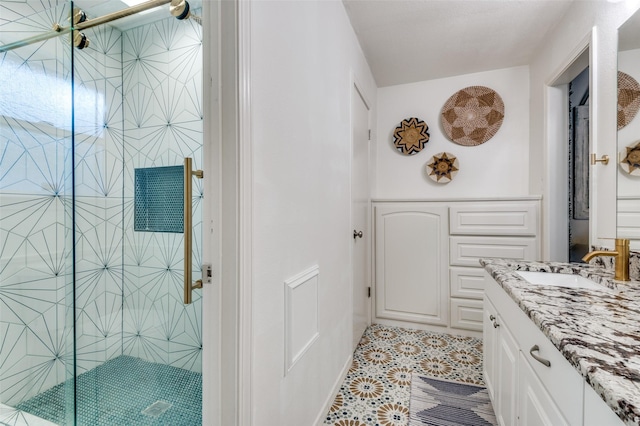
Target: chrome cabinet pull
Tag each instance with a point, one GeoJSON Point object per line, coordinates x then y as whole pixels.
{"type": "Point", "coordinates": [536, 348]}
{"type": "Point", "coordinates": [357, 234]}
{"type": "Point", "coordinates": [495, 324]}
{"type": "Point", "coordinates": [189, 285]}
{"type": "Point", "coordinates": [492, 317]}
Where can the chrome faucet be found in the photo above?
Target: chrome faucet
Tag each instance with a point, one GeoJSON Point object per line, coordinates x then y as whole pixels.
{"type": "Point", "coordinates": [621, 254]}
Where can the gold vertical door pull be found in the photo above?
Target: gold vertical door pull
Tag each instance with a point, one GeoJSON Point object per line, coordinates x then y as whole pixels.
{"type": "Point", "coordinates": [189, 285]}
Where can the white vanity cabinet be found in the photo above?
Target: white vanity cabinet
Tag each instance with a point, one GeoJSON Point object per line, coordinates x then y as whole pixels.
{"type": "Point", "coordinates": [499, 229]}
{"type": "Point", "coordinates": [427, 253]}
{"type": "Point", "coordinates": [529, 381]}
{"type": "Point", "coordinates": [500, 365]}
{"type": "Point", "coordinates": [411, 246]}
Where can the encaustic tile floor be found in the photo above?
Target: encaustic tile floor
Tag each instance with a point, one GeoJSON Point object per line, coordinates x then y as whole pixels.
{"type": "Point", "coordinates": [377, 387]}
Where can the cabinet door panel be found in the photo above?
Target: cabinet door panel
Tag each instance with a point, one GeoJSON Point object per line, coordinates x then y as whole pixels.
{"type": "Point", "coordinates": [597, 412]}
{"type": "Point", "coordinates": [536, 407]}
{"type": "Point", "coordinates": [411, 264]}
{"type": "Point", "coordinates": [489, 350]}
{"type": "Point", "coordinates": [563, 383]}
{"type": "Point", "coordinates": [507, 362]}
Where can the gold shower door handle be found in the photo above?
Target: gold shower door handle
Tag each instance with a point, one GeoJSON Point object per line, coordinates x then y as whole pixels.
{"type": "Point", "coordinates": [189, 284]}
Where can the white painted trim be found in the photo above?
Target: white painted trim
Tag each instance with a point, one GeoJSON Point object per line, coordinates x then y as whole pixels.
{"type": "Point", "coordinates": [594, 95]}
{"type": "Point", "coordinates": [461, 199]}
{"type": "Point", "coordinates": [555, 217]}
{"type": "Point", "coordinates": [211, 348]}
{"type": "Point", "coordinates": [235, 343]}
{"type": "Point", "coordinates": [332, 396]}
{"type": "Point", "coordinates": [555, 209]}
{"type": "Point", "coordinates": [245, 199]}
{"type": "Point", "coordinates": [291, 284]}
{"type": "Point", "coordinates": [354, 83]}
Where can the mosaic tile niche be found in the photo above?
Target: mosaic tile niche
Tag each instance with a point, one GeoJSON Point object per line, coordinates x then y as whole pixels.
{"type": "Point", "coordinates": [137, 104]}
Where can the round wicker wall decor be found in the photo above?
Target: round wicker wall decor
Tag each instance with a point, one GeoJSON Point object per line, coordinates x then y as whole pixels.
{"type": "Point", "coordinates": [411, 136]}
{"type": "Point", "coordinates": [628, 99]}
{"type": "Point", "coordinates": [442, 167]}
{"type": "Point", "coordinates": [472, 115]}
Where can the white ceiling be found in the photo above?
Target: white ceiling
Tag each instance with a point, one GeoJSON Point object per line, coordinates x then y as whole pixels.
{"type": "Point", "coordinates": [409, 41]}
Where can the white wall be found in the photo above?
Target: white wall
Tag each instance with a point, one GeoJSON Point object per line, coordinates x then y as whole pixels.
{"type": "Point", "coordinates": [302, 58]}
{"type": "Point", "coordinates": [499, 167]}
{"type": "Point", "coordinates": [558, 48]}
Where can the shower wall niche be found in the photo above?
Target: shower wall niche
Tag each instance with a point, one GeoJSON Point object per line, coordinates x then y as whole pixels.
{"type": "Point", "coordinates": [137, 102]}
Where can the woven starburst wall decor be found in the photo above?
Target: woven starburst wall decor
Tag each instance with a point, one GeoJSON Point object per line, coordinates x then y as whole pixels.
{"type": "Point", "coordinates": [472, 115]}
{"type": "Point", "coordinates": [411, 136]}
{"type": "Point", "coordinates": [630, 159]}
{"type": "Point", "coordinates": [442, 167]}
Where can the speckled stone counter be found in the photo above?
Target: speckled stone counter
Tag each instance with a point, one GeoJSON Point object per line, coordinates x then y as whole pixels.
{"type": "Point", "coordinates": [597, 331]}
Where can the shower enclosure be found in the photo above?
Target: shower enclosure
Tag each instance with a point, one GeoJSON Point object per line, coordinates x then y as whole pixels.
{"type": "Point", "coordinates": [96, 121]}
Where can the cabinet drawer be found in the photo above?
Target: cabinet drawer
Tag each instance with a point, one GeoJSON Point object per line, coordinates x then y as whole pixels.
{"type": "Point", "coordinates": [466, 314]}
{"type": "Point", "coordinates": [466, 282]}
{"type": "Point", "coordinates": [494, 219]}
{"type": "Point", "coordinates": [563, 383]}
{"type": "Point", "coordinates": [596, 411]}
{"type": "Point", "coordinates": [466, 251]}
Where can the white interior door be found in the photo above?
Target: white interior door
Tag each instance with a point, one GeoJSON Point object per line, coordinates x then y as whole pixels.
{"type": "Point", "coordinates": [360, 214]}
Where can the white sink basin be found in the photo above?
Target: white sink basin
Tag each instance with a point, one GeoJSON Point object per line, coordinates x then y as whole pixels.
{"type": "Point", "coordinates": [559, 280]}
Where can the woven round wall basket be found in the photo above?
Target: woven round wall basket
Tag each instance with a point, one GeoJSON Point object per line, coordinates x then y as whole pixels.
{"type": "Point", "coordinates": [442, 167]}
{"type": "Point", "coordinates": [411, 136]}
{"type": "Point", "coordinates": [472, 115]}
{"type": "Point", "coordinates": [630, 159]}
{"type": "Point", "coordinates": [628, 99]}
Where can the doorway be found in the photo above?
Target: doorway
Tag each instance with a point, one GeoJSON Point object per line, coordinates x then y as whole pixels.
{"type": "Point", "coordinates": [579, 166]}
{"type": "Point", "coordinates": [360, 214]}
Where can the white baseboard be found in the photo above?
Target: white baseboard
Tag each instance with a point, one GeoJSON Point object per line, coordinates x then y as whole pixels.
{"type": "Point", "coordinates": [336, 388]}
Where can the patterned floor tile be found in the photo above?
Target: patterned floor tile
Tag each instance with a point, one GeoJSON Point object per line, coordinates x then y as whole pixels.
{"type": "Point", "coordinates": [118, 391]}
{"type": "Point", "coordinates": [377, 388]}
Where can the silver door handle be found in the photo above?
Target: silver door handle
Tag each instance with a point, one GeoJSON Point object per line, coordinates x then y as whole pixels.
{"type": "Point", "coordinates": [357, 234]}
{"type": "Point", "coordinates": [536, 348]}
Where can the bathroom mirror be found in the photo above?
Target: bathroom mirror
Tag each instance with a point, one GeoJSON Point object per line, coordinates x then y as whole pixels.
{"type": "Point", "coordinates": [628, 157]}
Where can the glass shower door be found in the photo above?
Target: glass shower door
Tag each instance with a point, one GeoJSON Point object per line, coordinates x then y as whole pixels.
{"type": "Point", "coordinates": [138, 345]}
{"type": "Point", "coordinates": [94, 328]}
{"type": "Point", "coordinates": [36, 221]}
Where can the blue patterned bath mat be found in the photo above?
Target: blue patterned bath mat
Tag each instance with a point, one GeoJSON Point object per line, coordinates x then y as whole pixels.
{"type": "Point", "coordinates": [437, 402]}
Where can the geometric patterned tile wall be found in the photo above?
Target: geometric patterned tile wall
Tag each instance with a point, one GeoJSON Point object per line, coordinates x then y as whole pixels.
{"type": "Point", "coordinates": [161, 122]}
{"type": "Point", "coordinates": [99, 157]}
{"type": "Point", "coordinates": [162, 65]}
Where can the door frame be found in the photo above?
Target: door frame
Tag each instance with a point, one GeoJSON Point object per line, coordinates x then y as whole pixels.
{"type": "Point", "coordinates": [555, 210]}
{"type": "Point", "coordinates": [227, 369]}
{"type": "Point", "coordinates": [359, 88]}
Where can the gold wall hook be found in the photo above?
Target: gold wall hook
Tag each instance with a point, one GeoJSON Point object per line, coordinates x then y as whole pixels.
{"type": "Point", "coordinates": [604, 159]}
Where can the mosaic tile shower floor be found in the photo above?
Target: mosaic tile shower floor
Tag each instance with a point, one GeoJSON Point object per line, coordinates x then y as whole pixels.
{"type": "Point", "coordinates": [377, 387]}
{"type": "Point", "coordinates": [116, 393]}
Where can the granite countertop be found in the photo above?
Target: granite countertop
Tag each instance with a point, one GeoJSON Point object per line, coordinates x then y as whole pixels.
{"type": "Point", "coordinates": [597, 331]}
